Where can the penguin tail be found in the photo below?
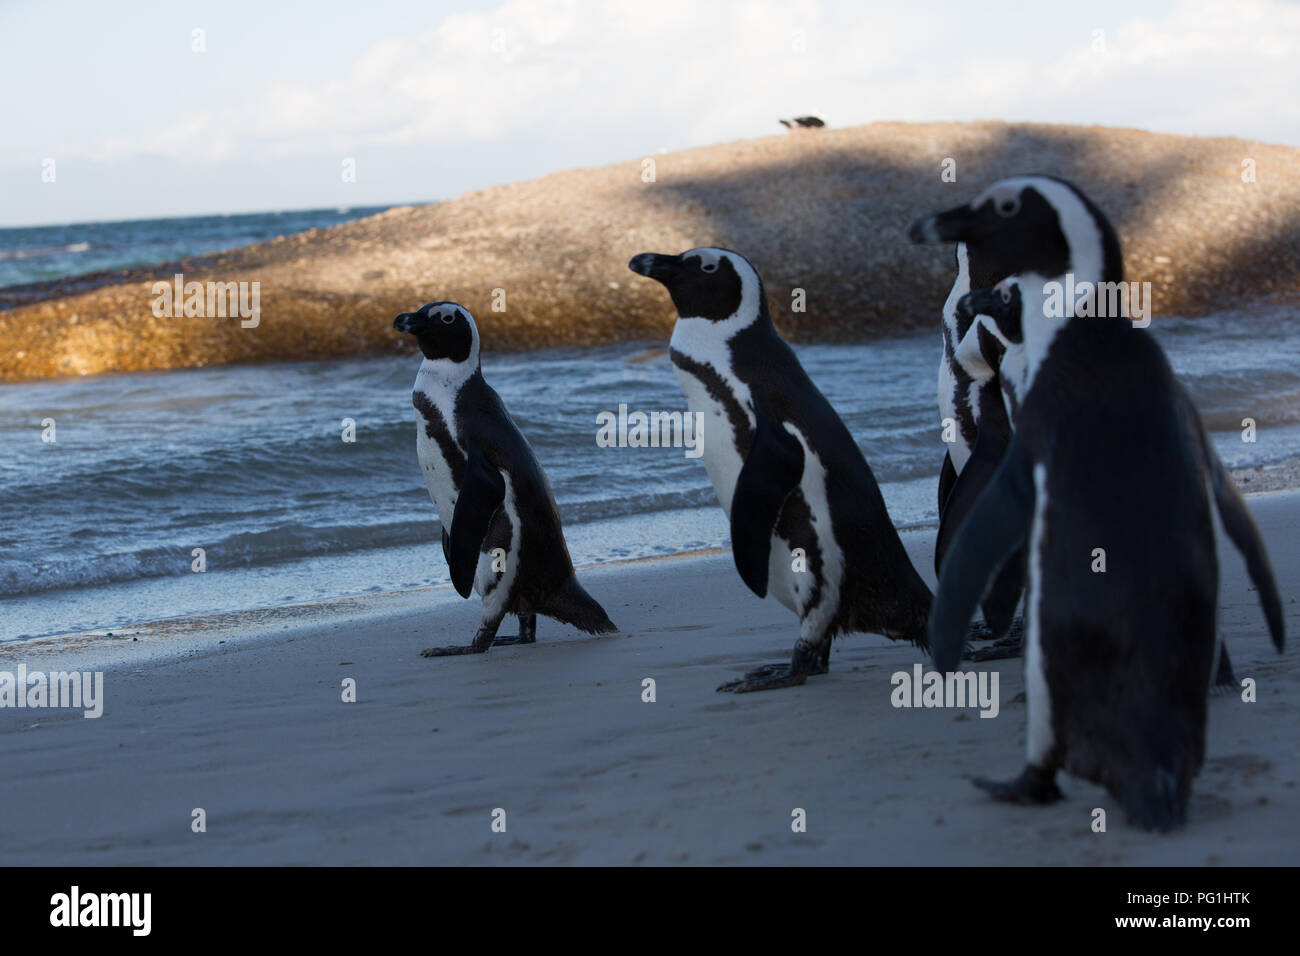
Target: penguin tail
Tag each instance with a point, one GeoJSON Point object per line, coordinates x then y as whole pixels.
{"type": "Point", "coordinates": [903, 616]}
{"type": "Point", "coordinates": [1157, 800]}
{"type": "Point", "coordinates": [1154, 783]}
{"type": "Point", "coordinates": [572, 605]}
{"type": "Point", "coordinates": [1244, 533]}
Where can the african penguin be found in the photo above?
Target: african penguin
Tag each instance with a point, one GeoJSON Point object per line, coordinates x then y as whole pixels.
{"type": "Point", "coordinates": [968, 385]}
{"type": "Point", "coordinates": [989, 354]}
{"type": "Point", "coordinates": [999, 312]}
{"type": "Point", "coordinates": [993, 348]}
{"type": "Point", "coordinates": [785, 468]}
{"type": "Point", "coordinates": [1108, 453]}
{"type": "Point", "coordinates": [971, 395]}
{"type": "Point", "coordinates": [505, 539]}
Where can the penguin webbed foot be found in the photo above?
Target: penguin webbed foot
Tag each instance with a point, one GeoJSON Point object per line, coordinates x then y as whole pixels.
{"type": "Point", "coordinates": [782, 667]}
{"type": "Point", "coordinates": [1034, 786]}
{"type": "Point", "coordinates": [980, 631]}
{"type": "Point", "coordinates": [485, 638]}
{"type": "Point", "coordinates": [1010, 646]}
{"type": "Point", "coordinates": [766, 670]}
{"type": "Point", "coordinates": [527, 633]}
{"type": "Point", "coordinates": [452, 650]}
{"type": "Point", "coordinates": [1002, 648]}
{"type": "Point", "coordinates": [804, 664]}
{"type": "Point", "coordinates": [783, 676]}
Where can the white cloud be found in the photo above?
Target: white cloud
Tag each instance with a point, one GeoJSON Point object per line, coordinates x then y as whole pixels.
{"type": "Point", "coordinates": [710, 72]}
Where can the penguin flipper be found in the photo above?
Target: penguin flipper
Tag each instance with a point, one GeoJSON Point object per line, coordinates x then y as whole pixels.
{"type": "Point", "coordinates": [994, 528]}
{"type": "Point", "coordinates": [446, 547]}
{"type": "Point", "coordinates": [1243, 531]}
{"type": "Point", "coordinates": [983, 463]}
{"type": "Point", "coordinates": [947, 478]}
{"type": "Point", "coordinates": [999, 604]}
{"type": "Point", "coordinates": [771, 471]}
{"type": "Point", "coordinates": [481, 494]}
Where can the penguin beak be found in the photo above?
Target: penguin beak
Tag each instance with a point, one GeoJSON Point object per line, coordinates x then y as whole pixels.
{"type": "Point", "coordinates": [955, 225]}
{"type": "Point", "coordinates": [652, 265]}
{"type": "Point", "coordinates": [980, 302]}
{"type": "Point", "coordinates": [406, 322]}
{"type": "Point", "coordinates": [965, 308]}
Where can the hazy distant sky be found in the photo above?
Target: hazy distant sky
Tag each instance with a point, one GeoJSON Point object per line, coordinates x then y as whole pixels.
{"type": "Point", "coordinates": [431, 99]}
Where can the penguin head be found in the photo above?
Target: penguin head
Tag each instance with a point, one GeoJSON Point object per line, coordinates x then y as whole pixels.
{"type": "Point", "coordinates": [444, 330]}
{"type": "Point", "coordinates": [1037, 225]}
{"type": "Point", "coordinates": [705, 283]}
{"type": "Point", "coordinates": [1002, 303]}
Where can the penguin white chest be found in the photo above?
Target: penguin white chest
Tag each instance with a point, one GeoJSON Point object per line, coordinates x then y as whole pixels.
{"type": "Point", "coordinates": [494, 569]}
{"type": "Point", "coordinates": [787, 581]}
{"type": "Point", "coordinates": [437, 472]}
{"type": "Point", "coordinates": [947, 388]}
{"type": "Point", "coordinates": [718, 440]}
{"type": "Point", "coordinates": [1013, 372]}
{"type": "Point", "coordinates": [958, 450]}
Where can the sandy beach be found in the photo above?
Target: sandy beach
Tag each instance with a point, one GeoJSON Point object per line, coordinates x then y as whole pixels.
{"type": "Point", "coordinates": [242, 716]}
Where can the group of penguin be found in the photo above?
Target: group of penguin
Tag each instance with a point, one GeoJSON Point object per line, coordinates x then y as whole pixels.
{"type": "Point", "coordinates": [1072, 434]}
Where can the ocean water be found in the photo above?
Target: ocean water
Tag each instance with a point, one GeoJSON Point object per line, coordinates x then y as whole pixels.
{"type": "Point", "coordinates": [98, 529]}
{"type": "Point", "coordinates": [37, 253]}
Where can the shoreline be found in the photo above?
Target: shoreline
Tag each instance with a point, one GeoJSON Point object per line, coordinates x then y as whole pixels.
{"type": "Point", "coordinates": [1264, 479]}
{"type": "Point", "coordinates": [167, 638]}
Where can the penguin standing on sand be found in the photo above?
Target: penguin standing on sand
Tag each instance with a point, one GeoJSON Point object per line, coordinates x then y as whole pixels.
{"type": "Point", "coordinates": [984, 348]}
{"type": "Point", "coordinates": [505, 539]}
{"type": "Point", "coordinates": [1110, 479]}
{"type": "Point", "coordinates": [972, 394]}
{"type": "Point", "coordinates": [808, 522]}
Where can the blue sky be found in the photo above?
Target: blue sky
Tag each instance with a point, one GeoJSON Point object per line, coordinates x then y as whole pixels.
{"type": "Point", "coordinates": [432, 99]}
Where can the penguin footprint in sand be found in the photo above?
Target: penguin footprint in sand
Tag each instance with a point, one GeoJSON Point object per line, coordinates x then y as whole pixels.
{"type": "Point", "coordinates": [505, 539]}
{"type": "Point", "coordinates": [808, 523]}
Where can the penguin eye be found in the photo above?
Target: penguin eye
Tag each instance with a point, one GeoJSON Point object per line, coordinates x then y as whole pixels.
{"type": "Point", "coordinates": [1009, 206]}
{"type": "Point", "coordinates": [447, 317]}
{"type": "Point", "coordinates": [708, 267]}
{"type": "Point", "coordinates": [1005, 293]}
